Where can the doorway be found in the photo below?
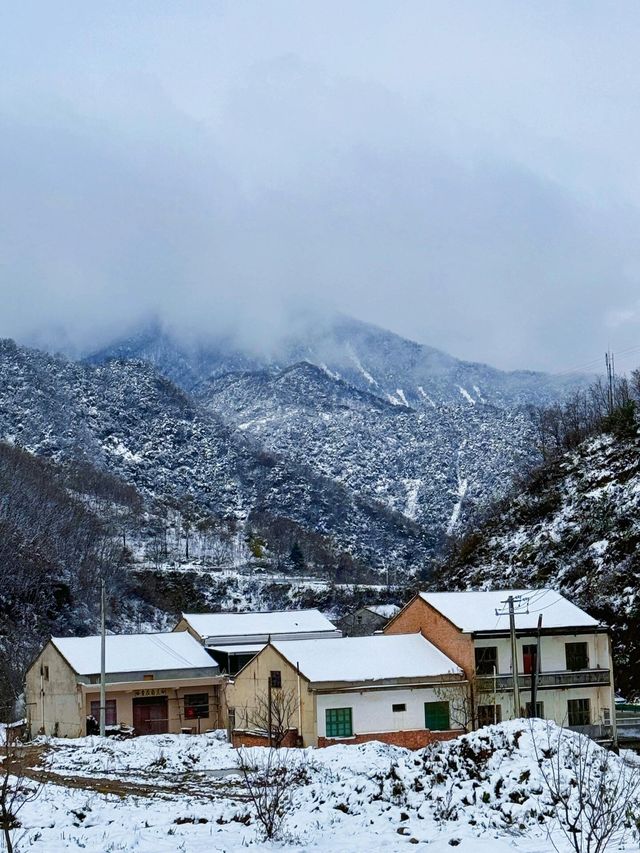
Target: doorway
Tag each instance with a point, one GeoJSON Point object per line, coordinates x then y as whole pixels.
{"type": "Point", "coordinates": [151, 715]}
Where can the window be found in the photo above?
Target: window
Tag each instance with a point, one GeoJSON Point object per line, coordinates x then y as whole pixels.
{"type": "Point", "coordinates": [196, 706]}
{"type": "Point", "coordinates": [489, 714]}
{"type": "Point", "coordinates": [529, 654]}
{"type": "Point", "coordinates": [44, 672]}
{"type": "Point", "coordinates": [487, 660]}
{"type": "Point", "coordinates": [339, 722]}
{"type": "Point", "coordinates": [577, 655]}
{"type": "Point", "coordinates": [276, 678]}
{"type": "Point", "coordinates": [606, 716]}
{"type": "Point", "coordinates": [399, 707]}
{"type": "Point", "coordinates": [539, 710]}
{"type": "Point", "coordinates": [436, 716]}
{"type": "Point", "coordinates": [111, 714]}
{"type": "Point", "coordinates": [148, 677]}
{"type": "Point", "coordinates": [579, 712]}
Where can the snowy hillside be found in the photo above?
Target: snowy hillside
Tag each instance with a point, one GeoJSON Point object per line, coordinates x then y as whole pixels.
{"type": "Point", "coordinates": [285, 456]}
{"type": "Point", "coordinates": [366, 357]}
{"type": "Point", "coordinates": [129, 420]}
{"type": "Point", "coordinates": [573, 525]}
{"type": "Point", "coordinates": [426, 464]}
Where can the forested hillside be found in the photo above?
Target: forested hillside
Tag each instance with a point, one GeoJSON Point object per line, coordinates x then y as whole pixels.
{"type": "Point", "coordinates": [59, 533]}
{"type": "Point", "coordinates": [573, 523]}
{"type": "Point", "coordinates": [260, 485]}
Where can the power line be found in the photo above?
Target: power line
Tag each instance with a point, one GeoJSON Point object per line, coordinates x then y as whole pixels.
{"type": "Point", "coordinates": [595, 361]}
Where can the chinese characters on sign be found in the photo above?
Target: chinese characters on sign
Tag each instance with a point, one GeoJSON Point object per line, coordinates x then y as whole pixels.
{"type": "Point", "coordinates": [151, 691]}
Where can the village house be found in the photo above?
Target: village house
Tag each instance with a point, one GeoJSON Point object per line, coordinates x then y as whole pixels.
{"type": "Point", "coordinates": [572, 656]}
{"type": "Point", "coordinates": [367, 620]}
{"type": "Point", "coordinates": [233, 639]}
{"type": "Point", "coordinates": [155, 683]}
{"type": "Point", "coordinates": [355, 689]}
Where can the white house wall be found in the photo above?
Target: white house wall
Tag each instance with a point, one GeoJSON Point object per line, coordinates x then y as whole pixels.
{"type": "Point", "coordinates": [555, 703]}
{"type": "Point", "coordinates": [372, 709]}
{"type": "Point", "coordinates": [552, 651]}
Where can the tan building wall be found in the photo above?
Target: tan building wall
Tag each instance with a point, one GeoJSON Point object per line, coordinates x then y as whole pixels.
{"type": "Point", "coordinates": [54, 701]}
{"type": "Point", "coordinates": [183, 625]}
{"type": "Point", "coordinates": [252, 682]}
{"type": "Point", "coordinates": [124, 696]}
{"type": "Point", "coordinates": [417, 615]}
{"type": "Point", "coordinates": [58, 703]}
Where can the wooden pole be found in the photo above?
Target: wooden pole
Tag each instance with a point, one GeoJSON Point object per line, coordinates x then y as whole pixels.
{"type": "Point", "coordinates": [270, 712]}
{"type": "Point", "coordinates": [536, 672]}
{"type": "Point", "coordinates": [103, 641]}
{"type": "Point", "coordinates": [514, 657]}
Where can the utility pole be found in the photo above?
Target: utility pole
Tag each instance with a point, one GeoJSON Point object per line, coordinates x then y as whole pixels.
{"type": "Point", "coordinates": [512, 602]}
{"type": "Point", "coordinates": [611, 379]}
{"type": "Point", "coordinates": [103, 643]}
{"type": "Point", "coordinates": [514, 657]}
{"type": "Point", "coordinates": [536, 672]}
{"type": "Point", "coordinates": [270, 711]}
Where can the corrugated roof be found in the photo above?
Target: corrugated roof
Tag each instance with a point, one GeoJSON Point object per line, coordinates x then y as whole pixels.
{"type": "Point", "coordinates": [367, 658]}
{"type": "Point", "coordinates": [476, 611]}
{"type": "Point", "coordinates": [134, 652]}
{"type": "Point", "coordinates": [248, 624]}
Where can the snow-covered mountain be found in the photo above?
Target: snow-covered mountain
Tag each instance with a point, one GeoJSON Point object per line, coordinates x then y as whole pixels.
{"type": "Point", "coordinates": [128, 419]}
{"type": "Point", "coordinates": [572, 525]}
{"type": "Point", "coordinates": [349, 442]}
{"type": "Point", "coordinates": [366, 357]}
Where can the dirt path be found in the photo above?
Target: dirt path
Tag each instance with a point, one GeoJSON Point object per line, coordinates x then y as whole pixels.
{"type": "Point", "coordinates": [33, 760]}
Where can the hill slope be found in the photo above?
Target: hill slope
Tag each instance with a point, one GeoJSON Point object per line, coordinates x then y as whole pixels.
{"type": "Point", "coordinates": [366, 357]}
{"type": "Point", "coordinates": [573, 525]}
{"type": "Point", "coordinates": [125, 418]}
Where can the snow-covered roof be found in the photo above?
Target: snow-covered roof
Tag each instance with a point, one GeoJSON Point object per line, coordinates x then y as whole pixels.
{"type": "Point", "coordinates": [476, 611]}
{"type": "Point", "coordinates": [384, 610]}
{"type": "Point", "coordinates": [134, 653]}
{"type": "Point", "coordinates": [384, 656]}
{"type": "Point", "coordinates": [252, 624]}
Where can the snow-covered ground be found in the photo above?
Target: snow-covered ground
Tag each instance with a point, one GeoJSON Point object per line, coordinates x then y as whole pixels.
{"type": "Point", "coordinates": [483, 793]}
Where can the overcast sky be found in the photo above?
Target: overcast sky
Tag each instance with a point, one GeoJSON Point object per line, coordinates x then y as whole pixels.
{"type": "Point", "coordinates": [464, 173]}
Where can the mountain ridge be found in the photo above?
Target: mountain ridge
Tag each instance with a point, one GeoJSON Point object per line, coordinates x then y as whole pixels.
{"type": "Point", "coordinates": [366, 356]}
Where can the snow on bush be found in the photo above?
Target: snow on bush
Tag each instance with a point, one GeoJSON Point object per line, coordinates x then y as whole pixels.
{"type": "Point", "coordinates": [524, 780]}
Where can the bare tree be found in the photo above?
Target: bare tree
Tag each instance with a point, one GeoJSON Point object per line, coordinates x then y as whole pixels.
{"type": "Point", "coordinates": [596, 794]}
{"type": "Point", "coordinates": [275, 713]}
{"type": "Point", "coordinates": [271, 777]}
{"type": "Point", "coordinates": [17, 788]}
{"type": "Point", "coordinates": [464, 699]}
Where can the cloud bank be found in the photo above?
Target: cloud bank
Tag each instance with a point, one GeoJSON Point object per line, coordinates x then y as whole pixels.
{"type": "Point", "coordinates": [464, 174]}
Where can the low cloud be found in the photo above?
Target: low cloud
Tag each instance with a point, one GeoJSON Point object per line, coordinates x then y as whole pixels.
{"type": "Point", "coordinates": [224, 199]}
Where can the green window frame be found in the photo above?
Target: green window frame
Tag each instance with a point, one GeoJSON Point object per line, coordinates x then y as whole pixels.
{"type": "Point", "coordinates": [436, 716]}
{"type": "Point", "coordinates": [339, 722]}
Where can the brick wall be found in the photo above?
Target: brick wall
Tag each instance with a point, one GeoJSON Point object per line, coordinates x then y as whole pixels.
{"type": "Point", "coordinates": [420, 616]}
{"type": "Point", "coordinates": [239, 737]}
{"type": "Point", "coordinates": [414, 739]}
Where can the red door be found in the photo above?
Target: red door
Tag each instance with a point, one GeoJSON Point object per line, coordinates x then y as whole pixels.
{"type": "Point", "coordinates": [529, 659]}
{"type": "Point", "coordinates": [151, 715]}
